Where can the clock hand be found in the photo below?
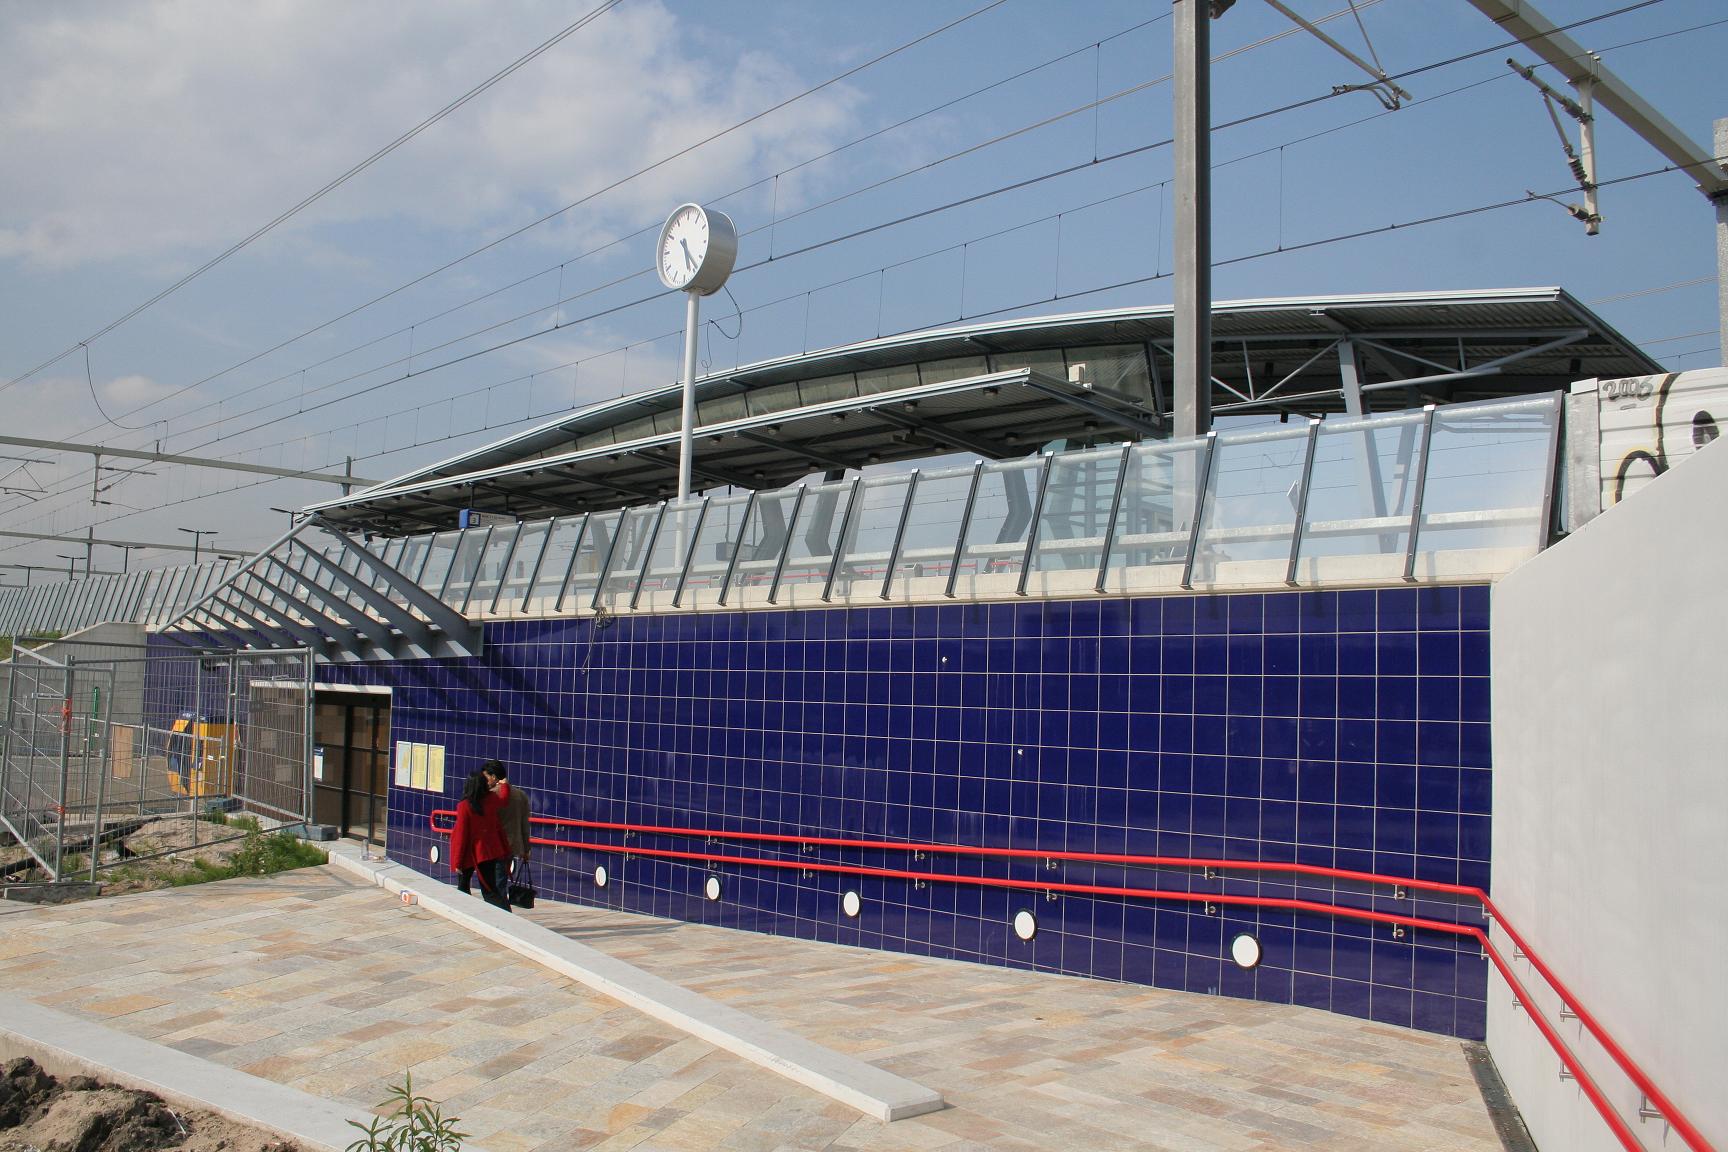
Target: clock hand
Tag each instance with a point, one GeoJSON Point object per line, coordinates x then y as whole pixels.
{"type": "Point", "coordinates": [688, 259]}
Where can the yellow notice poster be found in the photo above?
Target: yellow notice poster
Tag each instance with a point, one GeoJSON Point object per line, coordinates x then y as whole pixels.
{"type": "Point", "coordinates": [402, 747]}
{"type": "Point", "coordinates": [435, 767]}
{"type": "Point", "coordinates": [417, 766]}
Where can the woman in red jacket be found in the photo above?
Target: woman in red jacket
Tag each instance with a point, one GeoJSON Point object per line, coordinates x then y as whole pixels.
{"type": "Point", "coordinates": [478, 844]}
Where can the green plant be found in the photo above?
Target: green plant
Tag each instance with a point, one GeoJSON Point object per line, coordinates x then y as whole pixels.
{"type": "Point", "coordinates": [414, 1124]}
{"type": "Point", "coordinates": [262, 855]}
{"type": "Point", "coordinates": [215, 816]}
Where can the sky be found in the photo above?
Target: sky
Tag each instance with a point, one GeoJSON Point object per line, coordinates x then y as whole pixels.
{"type": "Point", "coordinates": [889, 167]}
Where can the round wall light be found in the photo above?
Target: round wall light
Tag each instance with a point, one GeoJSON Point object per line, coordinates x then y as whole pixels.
{"type": "Point", "coordinates": [711, 888]}
{"type": "Point", "coordinates": [851, 905]}
{"type": "Point", "coordinates": [601, 876]}
{"type": "Point", "coordinates": [434, 855]}
{"type": "Point", "coordinates": [1025, 924]}
{"type": "Point", "coordinates": [1245, 951]}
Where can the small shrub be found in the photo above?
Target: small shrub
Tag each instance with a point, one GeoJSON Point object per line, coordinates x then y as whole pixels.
{"type": "Point", "coordinates": [263, 855]}
{"type": "Point", "coordinates": [414, 1124]}
{"type": "Point", "coordinates": [215, 816]}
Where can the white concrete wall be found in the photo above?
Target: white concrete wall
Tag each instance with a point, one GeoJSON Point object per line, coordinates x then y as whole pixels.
{"type": "Point", "coordinates": [1610, 683]}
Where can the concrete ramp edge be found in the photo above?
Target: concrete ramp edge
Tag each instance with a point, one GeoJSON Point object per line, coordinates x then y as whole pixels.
{"type": "Point", "coordinates": [68, 1046]}
{"type": "Point", "coordinates": [851, 1081]}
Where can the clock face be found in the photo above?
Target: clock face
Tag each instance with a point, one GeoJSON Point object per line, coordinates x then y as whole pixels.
{"type": "Point", "coordinates": [683, 246]}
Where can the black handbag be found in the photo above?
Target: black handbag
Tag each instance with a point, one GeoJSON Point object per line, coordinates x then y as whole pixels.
{"type": "Point", "coordinates": [522, 887]}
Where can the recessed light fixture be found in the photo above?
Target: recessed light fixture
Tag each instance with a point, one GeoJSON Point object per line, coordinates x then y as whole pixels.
{"type": "Point", "coordinates": [1245, 951]}
{"type": "Point", "coordinates": [711, 888]}
{"type": "Point", "coordinates": [1025, 924]}
{"type": "Point", "coordinates": [601, 876]}
{"type": "Point", "coordinates": [851, 904]}
{"type": "Point", "coordinates": [434, 855]}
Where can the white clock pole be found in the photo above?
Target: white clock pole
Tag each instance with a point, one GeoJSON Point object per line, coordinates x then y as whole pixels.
{"type": "Point", "coordinates": [687, 425]}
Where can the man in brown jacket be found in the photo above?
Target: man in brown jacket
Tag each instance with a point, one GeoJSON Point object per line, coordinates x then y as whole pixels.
{"type": "Point", "coordinates": [513, 808]}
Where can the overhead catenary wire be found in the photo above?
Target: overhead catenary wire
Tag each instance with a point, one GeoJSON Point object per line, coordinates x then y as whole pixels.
{"type": "Point", "coordinates": [330, 186]}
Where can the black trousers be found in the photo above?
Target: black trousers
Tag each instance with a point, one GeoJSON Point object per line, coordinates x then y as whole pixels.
{"type": "Point", "coordinates": [494, 882]}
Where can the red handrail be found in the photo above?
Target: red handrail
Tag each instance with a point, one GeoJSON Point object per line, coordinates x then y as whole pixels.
{"type": "Point", "coordinates": [1628, 1140]}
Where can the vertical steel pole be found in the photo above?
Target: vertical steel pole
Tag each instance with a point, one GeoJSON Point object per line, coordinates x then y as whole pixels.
{"type": "Point", "coordinates": [307, 705]}
{"type": "Point", "coordinates": [687, 422]}
{"type": "Point", "coordinates": [11, 717]}
{"type": "Point", "coordinates": [102, 781]}
{"type": "Point", "coordinates": [1722, 250]}
{"type": "Point", "coordinates": [1032, 525]}
{"type": "Point", "coordinates": [65, 768]}
{"type": "Point", "coordinates": [1192, 101]}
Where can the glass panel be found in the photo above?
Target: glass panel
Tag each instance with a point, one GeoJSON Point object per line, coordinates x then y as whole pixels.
{"type": "Point", "coordinates": [773, 398]}
{"type": "Point", "coordinates": [815, 534]}
{"type": "Point", "coordinates": [1250, 509]}
{"type": "Point", "coordinates": [671, 549]}
{"type": "Point", "coordinates": [1157, 504]}
{"type": "Point", "coordinates": [938, 371]}
{"type": "Point", "coordinates": [764, 537]}
{"type": "Point", "coordinates": [1359, 495]}
{"type": "Point", "coordinates": [413, 554]}
{"type": "Point", "coordinates": [464, 565]}
{"type": "Point", "coordinates": [996, 537]}
{"type": "Point", "coordinates": [490, 570]}
{"type": "Point", "coordinates": [822, 389]}
{"type": "Point", "coordinates": [1119, 370]}
{"type": "Point", "coordinates": [887, 379]}
{"type": "Point", "coordinates": [554, 565]}
{"type": "Point", "coordinates": [1487, 475]}
{"type": "Point", "coordinates": [634, 533]}
{"type": "Point", "coordinates": [1076, 510]}
{"type": "Point", "coordinates": [937, 506]}
{"type": "Point", "coordinates": [596, 543]}
{"type": "Point", "coordinates": [714, 546]}
{"type": "Point", "coordinates": [441, 550]}
{"type": "Point", "coordinates": [721, 409]}
{"type": "Point", "coordinates": [521, 567]}
{"type": "Point", "coordinates": [1048, 361]}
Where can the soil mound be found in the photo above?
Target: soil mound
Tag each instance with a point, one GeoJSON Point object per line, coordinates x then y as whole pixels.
{"type": "Point", "coordinates": [40, 1114]}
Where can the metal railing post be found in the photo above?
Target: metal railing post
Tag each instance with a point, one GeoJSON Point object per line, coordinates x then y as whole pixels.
{"type": "Point", "coordinates": [899, 535]}
{"type": "Point", "coordinates": [965, 526]}
{"type": "Point", "coordinates": [1032, 525]}
{"type": "Point", "coordinates": [840, 540]}
{"type": "Point", "coordinates": [1204, 477]}
{"type": "Point", "coordinates": [503, 570]}
{"type": "Point", "coordinates": [570, 568]}
{"type": "Point", "coordinates": [1416, 496]}
{"type": "Point", "coordinates": [308, 704]}
{"type": "Point", "coordinates": [1115, 512]}
{"type": "Point", "coordinates": [738, 548]}
{"type": "Point", "coordinates": [791, 534]}
{"type": "Point", "coordinates": [539, 561]}
{"type": "Point", "coordinates": [606, 566]}
{"type": "Point", "coordinates": [1302, 501]}
{"type": "Point", "coordinates": [690, 552]}
{"type": "Point", "coordinates": [648, 555]}
{"type": "Point", "coordinates": [6, 736]}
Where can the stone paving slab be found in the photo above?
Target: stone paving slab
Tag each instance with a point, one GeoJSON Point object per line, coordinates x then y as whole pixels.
{"type": "Point", "coordinates": [318, 981]}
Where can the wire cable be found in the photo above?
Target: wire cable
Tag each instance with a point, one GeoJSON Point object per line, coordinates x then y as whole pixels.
{"type": "Point", "coordinates": [330, 186]}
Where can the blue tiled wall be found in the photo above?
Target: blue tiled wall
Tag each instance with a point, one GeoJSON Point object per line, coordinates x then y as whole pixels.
{"type": "Point", "coordinates": [1345, 729]}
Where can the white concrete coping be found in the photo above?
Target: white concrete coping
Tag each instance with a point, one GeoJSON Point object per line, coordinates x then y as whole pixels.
{"type": "Point", "coordinates": [847, 1079]}
{"type": "Point", "coordinates": [68, 1046]}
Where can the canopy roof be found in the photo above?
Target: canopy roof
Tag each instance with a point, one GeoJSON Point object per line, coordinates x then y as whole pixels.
{"type": "Point", "coordinates": [1004, 389]}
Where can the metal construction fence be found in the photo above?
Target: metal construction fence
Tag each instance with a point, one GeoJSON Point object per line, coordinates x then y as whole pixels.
{"type": "Point", "coordinates": [110, 752]}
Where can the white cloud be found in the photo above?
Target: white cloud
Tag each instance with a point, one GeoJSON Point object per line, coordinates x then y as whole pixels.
{"type": "Point", "coordinates": [165, 129]}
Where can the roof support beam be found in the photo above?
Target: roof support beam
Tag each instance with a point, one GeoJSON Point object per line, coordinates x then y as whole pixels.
{"type": "Point", "coordinates": [335, 629]}
{"type": "Point", "coordinates": [281, 637]}
{"type": "Point", "coordinates": [456, 628]}
{"type": "Point", "coordinates": [309, 636]}
{"type": "Point", "coordinates": [943, 435]}
{"type": "Point", "coordinates": [1137, 425]}
{"type": "Point", "coordinates": [374, 630]}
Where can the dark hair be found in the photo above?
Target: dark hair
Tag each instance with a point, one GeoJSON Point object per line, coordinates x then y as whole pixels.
{"type": "Point", "coordinates": [495, 769]}
{"type": "Point", "coordinates": [477, 792]}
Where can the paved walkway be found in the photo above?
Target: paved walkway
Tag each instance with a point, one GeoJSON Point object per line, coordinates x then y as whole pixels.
{"type": "Point", "coordinates": [314, 980]}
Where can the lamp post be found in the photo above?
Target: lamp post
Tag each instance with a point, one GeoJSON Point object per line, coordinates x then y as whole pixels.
{"type": "Point", "coordinates": [197, 535]}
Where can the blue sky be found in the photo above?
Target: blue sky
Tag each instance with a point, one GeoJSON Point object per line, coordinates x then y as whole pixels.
{"type": "Point", "coordinates": [142, 138]}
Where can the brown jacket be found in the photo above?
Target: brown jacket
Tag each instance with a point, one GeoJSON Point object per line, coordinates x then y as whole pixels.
{"type": "Point", "coordinates": [513, 814]}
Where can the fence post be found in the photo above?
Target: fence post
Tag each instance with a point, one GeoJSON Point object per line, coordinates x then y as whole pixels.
{"type": "Point", "coordinates": [6, 736]}
{"type": "Point", "coordinates": [232, 759]}
{"type": "Point", "coordinates": [306, 760]}
{"type": "Point", "coordinates": [65, 770]}
{"type": "Point", "coordinates": [102, 781]}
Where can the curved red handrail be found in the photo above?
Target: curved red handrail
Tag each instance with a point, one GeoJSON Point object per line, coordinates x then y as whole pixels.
{"type": "Point", "coordinates": [1633, 1072]}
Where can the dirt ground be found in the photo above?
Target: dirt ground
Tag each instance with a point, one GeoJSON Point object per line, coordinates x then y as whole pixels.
{"type": "Point", "coordinates": [40, 1114]}
{"type": "Point", "coordinates": [175, 835]}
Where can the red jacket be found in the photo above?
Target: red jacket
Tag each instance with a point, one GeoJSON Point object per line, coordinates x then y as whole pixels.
{"type": "Point", "coordinates": [478, 836]}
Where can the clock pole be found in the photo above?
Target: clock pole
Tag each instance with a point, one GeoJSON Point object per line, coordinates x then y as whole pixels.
{"type": "Point", "coordinates": [687, 425]}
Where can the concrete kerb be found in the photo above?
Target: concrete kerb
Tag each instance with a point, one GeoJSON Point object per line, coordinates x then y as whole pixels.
{"type": "Point", "coordinates": [872, 1091]}
{"type": "Point", "coordinates": [68, 1046]}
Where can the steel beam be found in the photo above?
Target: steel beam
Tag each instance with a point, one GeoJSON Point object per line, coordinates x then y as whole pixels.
{"type": "Point", "coordinates": [1192, 247]}
{"type": "Point", "coordinates": [172, 458]}
{"type": "Point", "coordinates": [458, 631]}
{"type": "Point", "coordinates": [393, 614]}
